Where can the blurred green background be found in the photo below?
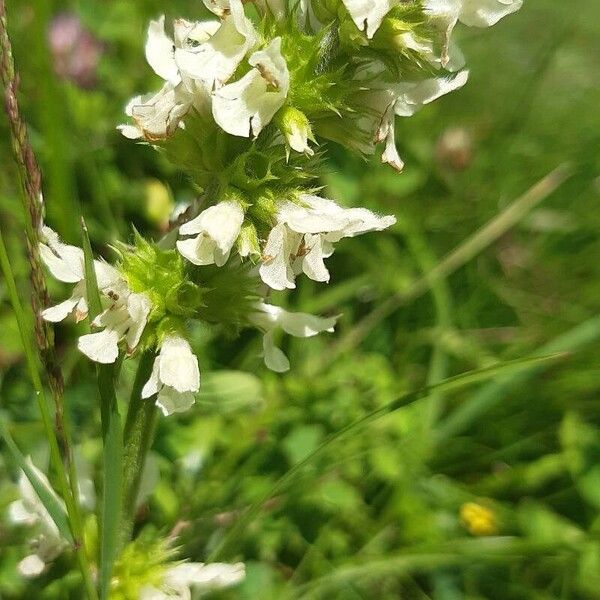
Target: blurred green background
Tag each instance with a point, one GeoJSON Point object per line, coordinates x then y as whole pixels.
{"type": "Point", "coordinates": [492, 491]}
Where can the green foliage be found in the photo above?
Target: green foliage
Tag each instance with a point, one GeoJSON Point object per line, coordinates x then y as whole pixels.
{"type": "Point", "coordinates": [378, 515]}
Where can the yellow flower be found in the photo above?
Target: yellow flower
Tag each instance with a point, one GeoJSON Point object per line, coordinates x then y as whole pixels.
{"type": "Point", "coordinates": [478, 519]}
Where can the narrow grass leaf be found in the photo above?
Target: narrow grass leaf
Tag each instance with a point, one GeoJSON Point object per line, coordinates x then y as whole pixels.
{"type": "Point", "coordinates": [465, 415]}
{"type": "Point", "coordinates": [49, 499]}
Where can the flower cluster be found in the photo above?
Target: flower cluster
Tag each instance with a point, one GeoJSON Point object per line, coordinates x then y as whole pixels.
{"type": "Point", "coordinates": [248, 99]}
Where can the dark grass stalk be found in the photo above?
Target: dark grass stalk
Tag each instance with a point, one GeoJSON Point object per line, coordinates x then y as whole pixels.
{"type": "Point", "coordinates": [33, 205]}
{"type": "Point", "coordinates": [69, 496]}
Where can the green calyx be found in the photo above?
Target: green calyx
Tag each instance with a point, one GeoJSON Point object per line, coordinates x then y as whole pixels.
{"type": "Point", "coordinates": [161, 275]}
{"type": "Point", "coordinates": [143, 563]}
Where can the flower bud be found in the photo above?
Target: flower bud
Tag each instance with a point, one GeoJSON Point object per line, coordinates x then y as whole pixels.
{"type": "Point", "coordinates": [295, 126]}
{"type": "Point", "coordinates": [247, 243]}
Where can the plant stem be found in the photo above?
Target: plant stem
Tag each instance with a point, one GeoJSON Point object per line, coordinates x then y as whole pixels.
{"type": "Point", "coordinates": [70, 499]}
{"type": "Point", "coordinates": [137, 437]}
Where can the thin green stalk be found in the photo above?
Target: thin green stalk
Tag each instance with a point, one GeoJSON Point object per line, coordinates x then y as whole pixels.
{"type": "Point", "coordinates": [137, 435]}
{"type": "Point", "coordinates": [112, 440]}
{"type": "Point", "coordinates": [70, 500]}
{"type": "Point", "coordinates": [460, 256]}
{"type": "Point", "coordinates": [442, 302]}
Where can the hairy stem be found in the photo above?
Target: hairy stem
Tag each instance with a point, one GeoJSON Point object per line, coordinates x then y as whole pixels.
{"type": "Point", "coordinates": [137, 436]}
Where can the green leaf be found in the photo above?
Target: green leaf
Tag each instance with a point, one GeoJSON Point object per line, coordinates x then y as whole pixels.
{"type": "Point", "coordinates": [112, 440]}
{"type": "Point", "coordinates": [581, 447]}
{"type": "Point", "coordinates": [46, 495]}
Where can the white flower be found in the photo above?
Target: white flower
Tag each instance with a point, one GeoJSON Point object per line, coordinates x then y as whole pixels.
{"type": "Point", "coordinates": [247, 105]}
{"type": "Point", "coordinates": [202, 55]}
{"type": "Point", "coordinates": [30, 511]}
{"type": "Point", "coordinates": [207, 51]}
{"type": "Point", "coordinates": [404, 99]}
{"type": "Point", "coordinates": [304, 236]}
{"type": "Point", "coordinates": [66, 263]}
{"type": "Point", "coordinates": [474, 13]}
{"type": "Point", "coordinates": [269, 318]}
{"type": "Point", "coordinates": [178, 580]}
{"type": "Point", "coordinates": [175, 376]}
{"type": "Point", "coordinates": [368, 14]}
{"type": "Point", "coordinates": [215, 231]}
{"type": "Point", "coordinates": [156, 115]}
{"type": "Point", "coordinates": [125, 319]}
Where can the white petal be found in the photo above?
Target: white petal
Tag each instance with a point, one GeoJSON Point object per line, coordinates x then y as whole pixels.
{"type": "Point", "coordinates": [101, 347]}
{"type": "Point", "coordinates": [485, 13]}
{"type": "Point", "coordinates": [414, 96]}
{"type": "Point", "coordinates": [189, 35]}
{"type": "Point", "coordinates": [158, 115]}
{"type": "Point", "coordinates": [152, 386]}
{"type": "Point", "coordinates": [275, 269]}
{"type": "Point", "coordinates": [205, 576]}
{"type": "Point", "coordinates": [296, 323]}
{"type": "Point", "coordinates": [106, 274]}
{"type": "Point", "coordinates": [31, 566]}
{"type": "Point", "coordinates": [274, 357]}
{"type": "Point", "coordinates": [138, 307]}
{"type": "Point", "coordinates": [249, 104]}
{"type": "Point", "coordinates": [318, 215]}
{"type": "Point", "coordinates": [159, 52]}
{"type": "Point", "coordinates": [61, 311]}
{"type": "Point", "coordinates": [151, 593]}
{"type": "Point", "coordinates": [390, 154]}
{"type": "Point", "coordinates": [19, 514]}
{"type": "Point", "coordinates": [368, 14]}
{"type": "Point", "coordinates": [219, 7]}
{"type": "Point", "coordinates": [222, 224]}
{"type": "Point", "coordinates": [63, 261]}
{"type": "Point", "coordinates": [362, 220]}
{"type": "Point", "coordinates": [171, 401]}
{"type": "Point", "coordinates": [192, 227]}
{"type": "Point", "coordinates": [199, 250]}
{"type": "Point", "coordinates": [312, 262]}
{"type": "Point", "coordinates": [220, 56]}
{"type": "Point", "coordinates": [131, 132]}
{"type": "Point", "coordinates": [178, 366]}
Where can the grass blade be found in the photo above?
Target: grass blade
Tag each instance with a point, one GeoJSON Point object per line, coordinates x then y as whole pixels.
{"type": "Point", "coordinates": [460, 256]}
{"type": "Point", "coordinates": [112, 440]}
{"type": "Point", "coordinates": [51, 503]}
{"type": "Point", "coordinates": [493, 393]}
{"type": "Point", "coordinates": [448, 554]}
{"type": "Point", "coordinates": [422, 394]}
